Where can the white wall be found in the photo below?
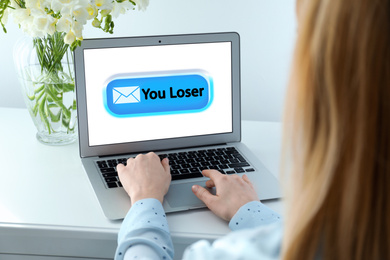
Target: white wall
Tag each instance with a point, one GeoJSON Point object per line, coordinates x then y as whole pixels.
{"type": "Point", "coordinates": [267, 29]}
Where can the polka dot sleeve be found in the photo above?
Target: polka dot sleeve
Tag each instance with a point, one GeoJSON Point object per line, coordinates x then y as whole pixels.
{"type": "Point", "coordinates": [253, 214]}
{"type": "Point", "coordinates": [144, 233]}
{"type": "Point", "coordinates": [263, 242]}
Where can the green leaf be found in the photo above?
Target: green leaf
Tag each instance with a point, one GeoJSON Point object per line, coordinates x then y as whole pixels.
{"type": "Point", "coordinates": [56, 88]}
{"type": "Point", "coordinates": [68, 87]}
{"type": "Point", "coordinates": [66, 113]}
{"type": "Point", "coordinates": [54, 117]}
{"type": "Point", "coordinates": [75, 44]}
{"type": "Point", "coordinates": [51, 50]}
{"type": "Point", "coordinates": [46, 110]}
{"type": "Point", "coordinates": [36, 91]}
{"type": "Point", "coordinates": [43, 115]}
{"type": "Point", "coordinates": [57, 101]}
{"type": "Point", "coordinates": [39, 89]}
{"type": "Point", "coordinates": [65, 121]}
{"type": "Point", "coordinates": [31, 98]}
{"type": "Point", "coordinates": [71, 129]}
{"type": "Point", "coordinates": [4, 4]}
{"type": "Point", "coordinates": [35, 109]}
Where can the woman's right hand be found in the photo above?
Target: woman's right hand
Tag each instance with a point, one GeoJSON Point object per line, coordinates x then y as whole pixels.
{"type": "Point", "coordinates": [232, 192]}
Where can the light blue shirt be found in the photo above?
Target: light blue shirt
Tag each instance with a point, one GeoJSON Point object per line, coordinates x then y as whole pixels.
{"type": "Point", "coordinates": [144, 234]}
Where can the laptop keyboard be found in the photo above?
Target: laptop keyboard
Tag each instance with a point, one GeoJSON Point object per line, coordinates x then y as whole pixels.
{"type": "Point", "coordinates": [185, 165]}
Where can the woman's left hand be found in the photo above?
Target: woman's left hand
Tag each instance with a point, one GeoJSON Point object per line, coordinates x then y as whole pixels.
{"type": "Point", "coordinates": [145, 177]}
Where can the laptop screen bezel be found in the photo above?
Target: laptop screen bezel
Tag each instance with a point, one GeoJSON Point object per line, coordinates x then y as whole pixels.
{"type": "Point", "coordinates": [163, 144]}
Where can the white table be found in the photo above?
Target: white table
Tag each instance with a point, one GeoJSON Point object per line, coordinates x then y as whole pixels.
{"type": "Point", "coordinates": [48, 207]}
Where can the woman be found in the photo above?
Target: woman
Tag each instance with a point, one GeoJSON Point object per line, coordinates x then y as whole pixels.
{"type": "Point", "coordinates": [337, 140]}
{"type": "Point", "coordinates": [339, 111]}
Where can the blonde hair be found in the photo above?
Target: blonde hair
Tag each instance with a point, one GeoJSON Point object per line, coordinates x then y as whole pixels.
{"type": "Point", "coordinates": [337, 132]}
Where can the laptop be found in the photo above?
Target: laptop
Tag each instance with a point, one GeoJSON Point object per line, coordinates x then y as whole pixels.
{"type": "Point", "coordinates": [176, 95]}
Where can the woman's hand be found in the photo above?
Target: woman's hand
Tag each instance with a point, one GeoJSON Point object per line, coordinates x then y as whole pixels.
{"type": "Point", "coordinates": [232, 193]}
{"type": "Point", "coordinates": [145, 177]}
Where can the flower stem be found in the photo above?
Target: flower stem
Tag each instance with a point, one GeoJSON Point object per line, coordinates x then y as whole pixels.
{"type": "Point", "coordinates": [50, 50]}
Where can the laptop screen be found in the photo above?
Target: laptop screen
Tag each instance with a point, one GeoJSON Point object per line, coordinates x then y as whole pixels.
{"type": "Point", "coordinates": [143, 93]}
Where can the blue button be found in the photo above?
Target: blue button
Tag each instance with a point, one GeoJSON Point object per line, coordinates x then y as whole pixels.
{"type": "Point", "coordinates": [156, 95]}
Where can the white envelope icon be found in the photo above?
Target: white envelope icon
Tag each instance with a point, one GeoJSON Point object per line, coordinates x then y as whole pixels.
{"type": "Point", "coordinates": [124, 95]}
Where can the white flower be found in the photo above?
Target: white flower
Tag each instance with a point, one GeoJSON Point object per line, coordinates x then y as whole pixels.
{"type": "Point", "coordinates": [69, 38]}
{"type": "Point", "coordinates": [19, 15]}
{"type": "Point", "coordinates": [35, 4]}
{"type": "Point", "coordinates": [39, 24]}
{"type": "Point", "coordinates": [72, 28]}
{"type": "Point", "coordinates": [104, 4]}
{"type": "Point", "coordinates": [33, 19]}
{"type": "Point", "coordinates": [74, 34]}
{"type": "Point", "coordinates": [44, 24]}
{"type": "Point", "coordinates": [142, 4]}
{"type": "Point", "coordinates": [62, 6]}
{"type": "Point", "coordinates": [121, 8]}
{"type": "Point", "coordinates": [76, 8]}
{"type": "Point", "coordinates": [22, 16]}
{"type": "Point", "coordinates": [77, 29]}
{"type": "Point", "coordinates": [80, 13]}
{"type": "Point", "coordinates": [64, 24]}
{"type": "Point", "coordinates": [39, 18]}
{"type": "Point", "coordinates": [92, 11]}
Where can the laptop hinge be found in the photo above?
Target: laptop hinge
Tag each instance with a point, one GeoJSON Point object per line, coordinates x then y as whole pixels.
{"type": "Point", "coordinates": [164, 150]}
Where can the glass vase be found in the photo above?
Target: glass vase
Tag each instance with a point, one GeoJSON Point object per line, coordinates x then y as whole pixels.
{"type": "Point", "coordinates": [46, 73]}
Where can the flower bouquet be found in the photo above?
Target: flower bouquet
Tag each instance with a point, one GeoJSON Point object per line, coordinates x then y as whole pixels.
{"type": "Point", "coordinates": [44, 61]}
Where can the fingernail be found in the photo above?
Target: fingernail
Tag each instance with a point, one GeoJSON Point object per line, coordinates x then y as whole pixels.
{"type": "Point", "coordinates": [195, 188]}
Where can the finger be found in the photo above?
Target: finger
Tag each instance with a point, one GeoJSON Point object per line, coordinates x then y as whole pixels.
{"type": "Point", "coordinates": [165, 164]}
{"type": "Point", "coordinates": [130, 160]}
{"type": "Point", "coordinates": [120, 167]}
{"type": "Point", "coordinates": [210, 184]}
{"type": "Point", "coordinates": [203, 194]}
{"type": "Point", "coordinates": [246, 179]}
{"type": "Point", "coordinates": [153, 155]}
{"type": "Point", "coordinates": [212, 174]}
{"type": "Point", "coordinates": [139, 156]}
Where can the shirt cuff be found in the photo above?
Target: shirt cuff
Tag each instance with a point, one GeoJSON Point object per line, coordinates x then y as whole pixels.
{"type": "Point", "coordinates": [253, 214]}
{"type": "Point", "coordinates": [144, 232]}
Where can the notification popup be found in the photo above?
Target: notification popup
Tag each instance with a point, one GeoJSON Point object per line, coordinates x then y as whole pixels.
{"type": "Point", "coordinates": [158, 95]}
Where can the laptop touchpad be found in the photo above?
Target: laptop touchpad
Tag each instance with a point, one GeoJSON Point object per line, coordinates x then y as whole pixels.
{"type": "Point", "coordinates": [181, 195]}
